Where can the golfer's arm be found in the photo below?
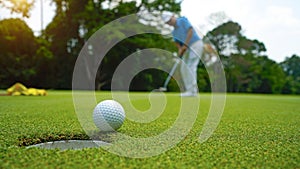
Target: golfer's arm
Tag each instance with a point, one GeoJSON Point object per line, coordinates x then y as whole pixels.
{"type": "Point", "coordinates": [189, 36]}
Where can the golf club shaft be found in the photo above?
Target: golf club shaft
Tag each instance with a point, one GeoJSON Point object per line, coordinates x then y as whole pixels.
{"type": "Point", "coordinates": [171, 73]}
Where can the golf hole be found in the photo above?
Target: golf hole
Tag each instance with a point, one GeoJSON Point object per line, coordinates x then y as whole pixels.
{"type": "Point", "coordinates": [70, 144]}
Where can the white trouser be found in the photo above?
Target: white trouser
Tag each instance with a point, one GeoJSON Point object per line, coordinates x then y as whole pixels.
{"type": "Point", "coordinates": [189, 70]}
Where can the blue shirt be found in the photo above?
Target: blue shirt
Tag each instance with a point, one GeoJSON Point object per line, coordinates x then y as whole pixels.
{"type": "Point", "coordinates": [180, 31]}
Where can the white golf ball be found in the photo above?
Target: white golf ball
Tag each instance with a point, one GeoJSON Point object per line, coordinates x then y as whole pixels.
{"type": "Point", "coordinates": [109, 115]}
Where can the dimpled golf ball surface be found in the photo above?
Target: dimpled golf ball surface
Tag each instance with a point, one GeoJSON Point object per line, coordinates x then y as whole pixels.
{"type": "Point", "coordinates": [108, 115]}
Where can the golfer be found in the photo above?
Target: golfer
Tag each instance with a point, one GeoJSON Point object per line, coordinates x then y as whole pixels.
{"type": "Point", "coordinates": [190, 47]}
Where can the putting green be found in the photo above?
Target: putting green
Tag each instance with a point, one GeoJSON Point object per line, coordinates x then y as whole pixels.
{"type": "Point", "coordinates": [256, 131]}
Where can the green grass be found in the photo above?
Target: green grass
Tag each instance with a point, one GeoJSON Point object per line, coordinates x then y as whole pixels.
{"type": "Point", "coordinates": [256, 131]}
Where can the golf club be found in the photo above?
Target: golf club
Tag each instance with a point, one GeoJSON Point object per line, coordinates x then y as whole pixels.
{"type": "Point", "coordinates": [164, 87]}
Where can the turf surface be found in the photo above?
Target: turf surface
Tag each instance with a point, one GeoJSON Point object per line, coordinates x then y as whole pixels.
{"type": "Point", "coordinates": [256, 131]}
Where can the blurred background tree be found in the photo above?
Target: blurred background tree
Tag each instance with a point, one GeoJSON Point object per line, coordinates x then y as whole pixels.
{"type": "Point", "coordinates": [22, 54]}
{"type": "Point", "coordinates": [291, 67]}
{"type": "Point", "coordinates": [76, 20]}
{"type": "Point", "coordinates": [47, 60]}
{"type": "Point", "coordinates": [22, 7]}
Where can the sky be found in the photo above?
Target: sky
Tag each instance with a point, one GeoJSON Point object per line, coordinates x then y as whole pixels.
{"type": "Point", "coordinates": [276, 23]}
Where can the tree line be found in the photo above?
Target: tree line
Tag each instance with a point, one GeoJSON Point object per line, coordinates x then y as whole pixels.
{"type": "Point", "coordinates": [47, 61]}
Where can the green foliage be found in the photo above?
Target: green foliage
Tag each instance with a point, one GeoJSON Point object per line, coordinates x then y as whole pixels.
{"type": "Point", "coordinates": [228, 39]}
{"type": "Point", "coordinates": [77, 20]}
{"type": "Point", "coordinates": [247, 73]}
{"type": "Point", "coordinates": [48, 61]}
{"type": "Point", "coordinates": [65, 43]}
{"type": "Point", "coordinates": [18, 6]}
{"type": "Point", "coordinates": [256, 131]}
{"type": "Point", "coordinates": [291, 66]}
{"type": "Point", "coordinates": [203, 79]}
{"type": "Point", "coordinates": [18, 46]}
{"type": "Point", "coordinates": [224, 38]}
{"type": "Point", "coordinates": [43, 63]}
{"type": "Point", "coordinates": [145, 80]}
{"type": "Point", "coordinates": [247, 69]}
{"type": "Point", "coordinates": [292, 70]}
{"type": "Point", "coordinates": [23, 57]}
{"type": "Point", "coordinates": [271, 76]}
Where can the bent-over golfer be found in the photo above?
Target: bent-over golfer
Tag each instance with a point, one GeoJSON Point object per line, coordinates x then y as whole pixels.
{"type": "Point", "coordinates": [190, 47]}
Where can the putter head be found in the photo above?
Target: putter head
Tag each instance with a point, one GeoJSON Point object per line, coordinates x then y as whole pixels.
{"type": "Point", "coordinates": [162, 89]}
